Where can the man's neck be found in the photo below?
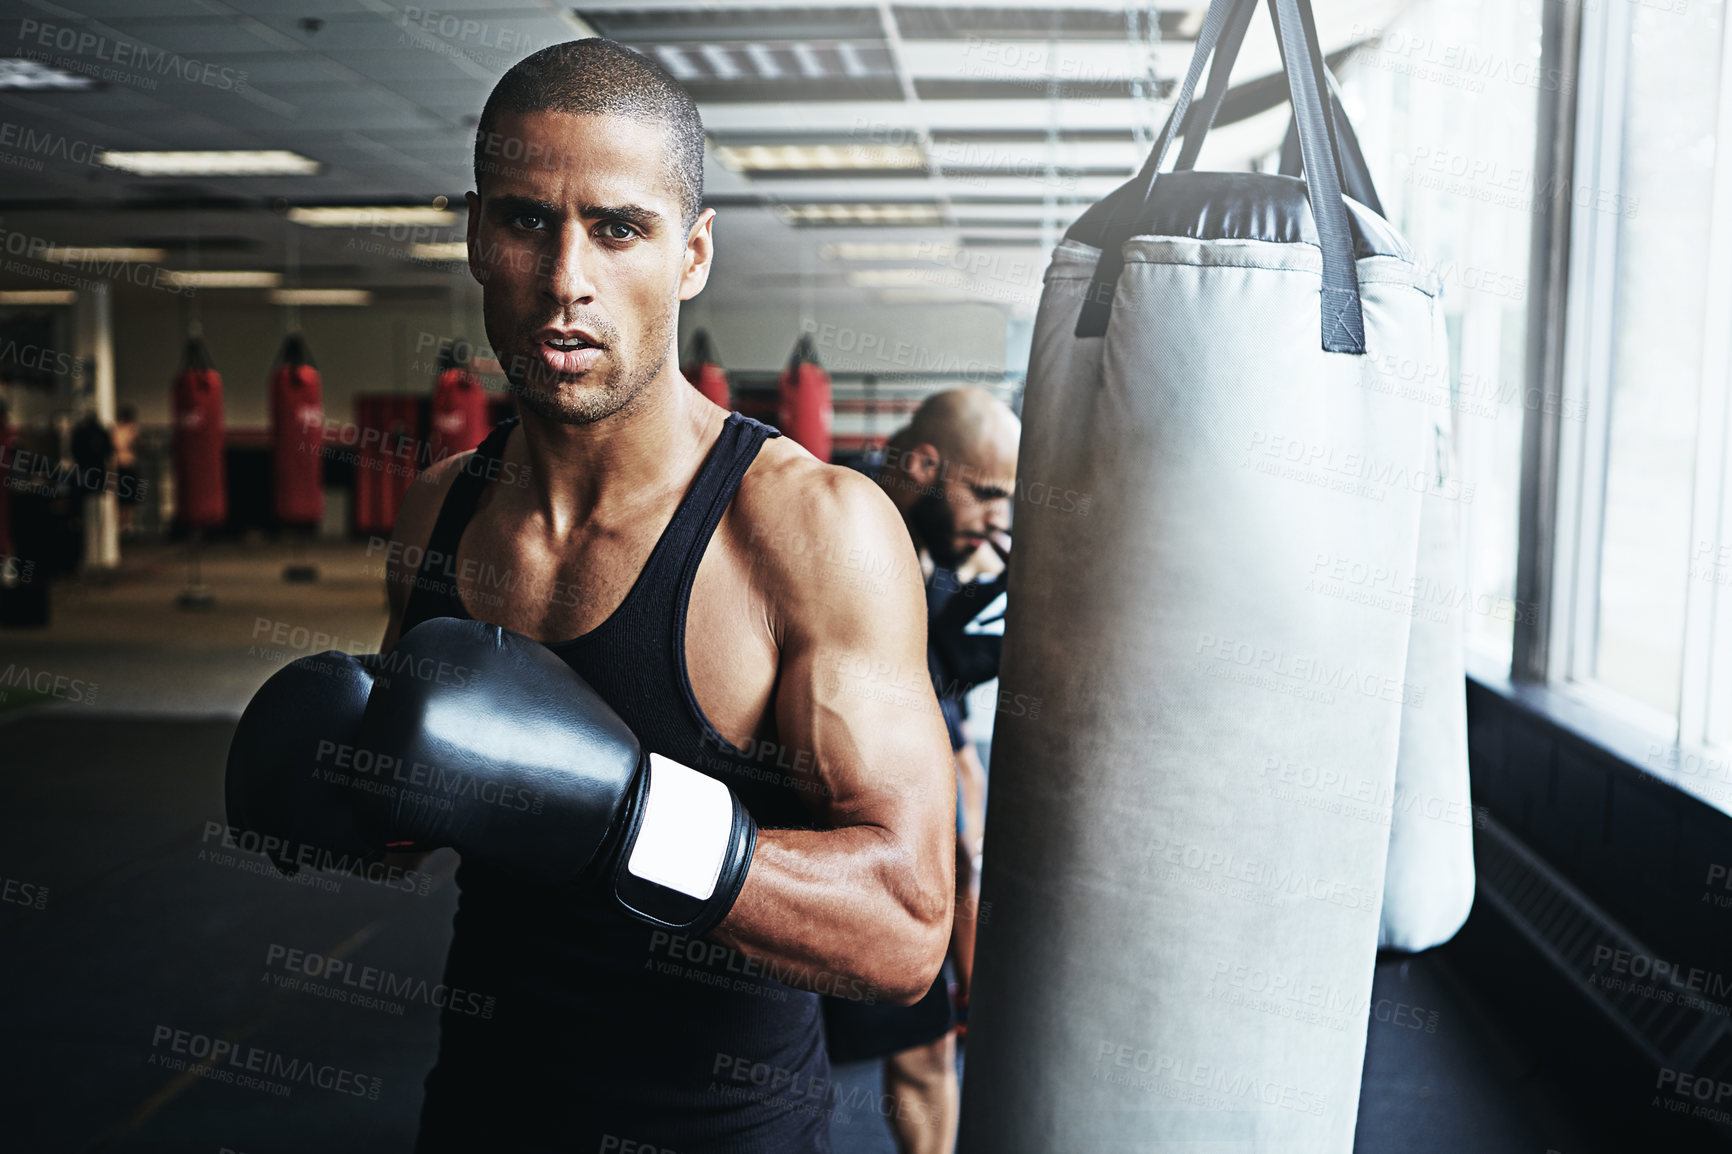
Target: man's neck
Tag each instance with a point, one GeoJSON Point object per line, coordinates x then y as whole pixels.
{"type": "Point", "coordinates": [629, 458]}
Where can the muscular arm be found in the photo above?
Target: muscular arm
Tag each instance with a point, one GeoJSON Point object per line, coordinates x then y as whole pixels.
{"type": "Point", "coordinates": [415, 520]}
{"type": "Point", "coordinates": [868, 895]}
{"type": "Point", "coordinates": [409, 537]}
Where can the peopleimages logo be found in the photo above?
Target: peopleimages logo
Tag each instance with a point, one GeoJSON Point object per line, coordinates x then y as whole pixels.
{"type": "Point", "coordinates": [221, 1060]}
{"type": "Point", "coordinates": [125, 55]}
{"type": "Point", "coordinates": [47, 684]}
{"type": "Point", "coordinates": [1212, 1087]}
{"type": "Point", "coordinates": [368, 987]}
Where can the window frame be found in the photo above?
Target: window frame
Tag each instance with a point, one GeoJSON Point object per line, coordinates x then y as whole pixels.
{"type": "Point", "coordinates": [1564, 464]}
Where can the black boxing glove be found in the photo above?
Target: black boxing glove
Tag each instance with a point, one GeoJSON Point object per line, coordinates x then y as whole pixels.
{"type": "Point", "coordinates": [283, 774]}
{"type": "Point", "coordinates": [501, 750]}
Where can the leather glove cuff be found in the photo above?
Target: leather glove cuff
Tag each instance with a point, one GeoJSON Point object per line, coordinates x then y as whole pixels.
{"type": "Point", "coordinates": [686, 850]}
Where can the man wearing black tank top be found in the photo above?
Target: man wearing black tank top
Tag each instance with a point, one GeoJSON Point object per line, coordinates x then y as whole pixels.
{"type": "Point", "coordinates": [706, 578]}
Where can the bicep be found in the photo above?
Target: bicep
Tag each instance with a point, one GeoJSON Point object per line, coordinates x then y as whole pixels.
{"type": "Point", "coordinates": [853, 691]}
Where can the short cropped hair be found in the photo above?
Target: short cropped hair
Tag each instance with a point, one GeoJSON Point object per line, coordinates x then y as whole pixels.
{"type": "Point", "coordinates": [601, 77]}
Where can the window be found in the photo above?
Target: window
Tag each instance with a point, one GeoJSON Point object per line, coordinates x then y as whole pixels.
{"type": "Point", "coordinates": [1445, 102]}
{"type": "Point", "coordinates": [1641, 488]}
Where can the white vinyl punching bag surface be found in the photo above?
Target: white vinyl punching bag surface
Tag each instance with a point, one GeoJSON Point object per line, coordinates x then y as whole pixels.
{"type": "Point", "coordinates": [1179, 918]}
{"type": "Point", "coordinates": [1428, 888]}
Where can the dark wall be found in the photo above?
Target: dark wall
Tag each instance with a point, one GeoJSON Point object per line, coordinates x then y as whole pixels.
{"type": "Point", "coordinates": [1651, 861]}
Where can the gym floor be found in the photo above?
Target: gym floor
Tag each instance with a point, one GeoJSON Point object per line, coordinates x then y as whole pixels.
{"type": "Point", "coordinates": [147, 924]}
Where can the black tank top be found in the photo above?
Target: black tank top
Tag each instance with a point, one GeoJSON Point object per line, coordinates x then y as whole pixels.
{"type": "Point", "coordinates": [568, 1023]}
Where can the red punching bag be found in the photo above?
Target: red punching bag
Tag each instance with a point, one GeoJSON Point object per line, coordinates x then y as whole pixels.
{"type": "Point", "coordinates": [200, 484]}
{"type": "Point", "coordinates": [704, 370]}
{"type": "Point", "coordinates": [297, 436]}
{"type": "Point", "coordinates": [459, 408]}
{"type": "Point", "coordinates": [805, 410]}
{"type": "Point", "coordinates": [388, 429]}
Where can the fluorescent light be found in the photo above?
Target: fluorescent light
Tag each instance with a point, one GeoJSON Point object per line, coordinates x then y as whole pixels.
{"type": "Point", "coordinates": [852, 64]}
{"type": "Point", "coordinates": [241, 162]}
{"type": "Point", "coordinates": [74, 254]}
{"type": "Point", "coordinates": [321, 297]}
{"type": "Point", "coordinates": [861, 213]}
{"type": "Point", "coordinates": [223, 278]}
{"type": "Point", "coordinates": [920, 296]}
{"type": "Point", "coordinates": [818, 157]}
{"type": "Point", "coordinates": [676, 63]}
{"type": "Point", "coordinates": [366, 216]}
{"type": "Point", "coordinates": [894, 277]}
{"type": "Point", "coordinates": [764, 61]}
{"type": "Point", "coordinates": [720, 62]}
{"type": "Point", "coordinates": [38, 297]}
{"type": "Point", "coordinates": [442, 250]}
{"type": "Point", "coordinates": [810, 65]}
{"type": "Point", "coordinates": [20, 75]}
{"type": "Point", "coordinates": [888, 250]}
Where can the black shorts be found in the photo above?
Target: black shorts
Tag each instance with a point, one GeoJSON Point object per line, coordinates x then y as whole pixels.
{"type": "Point", "coordinates": [859, 1031]}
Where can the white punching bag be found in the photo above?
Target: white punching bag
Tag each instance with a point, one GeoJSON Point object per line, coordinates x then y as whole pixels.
{"type": "Point", "coordinates": [1179, 918]}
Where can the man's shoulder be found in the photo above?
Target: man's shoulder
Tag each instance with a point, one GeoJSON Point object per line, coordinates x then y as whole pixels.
{"type": "Point", "coordinates": [794, 511]}
{"type": "Point", "coordinates": [427, 491]}
{"type": "Point", "coordinates": [424, 497]}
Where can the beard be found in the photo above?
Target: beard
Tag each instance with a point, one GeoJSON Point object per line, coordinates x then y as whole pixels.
{"type": "Point", "coordinates": [932, 519]}
{"type": "Point", "coordinates": [585, 398]}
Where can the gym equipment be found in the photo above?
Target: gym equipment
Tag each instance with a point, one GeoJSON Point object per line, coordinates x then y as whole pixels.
{"type": "Point", "coordinates": [297, 450]}
{"type": "Point", "coordinates": [1429, 884]}
{"type": "Point", "coordinates": [200, 485]}
{"type": "Point", "coordinates": [805, 411]}
{"type": "Point", "coordinates": [704, 370]}
{"type": "Point", "coordinates": [297, 435]}
{"type": "Point", "coordinates": [546, 780]}
{"type": "Point", "coordinates": [200, 478]}
{"type": "Point", "coordinates": [1197, 768]}
{"type": "Point", "coordinates": [471, 736]}
{"type": "Point", "coordinates": [387, 433]}
{"type": "Point", "coordinates": [459, 416]}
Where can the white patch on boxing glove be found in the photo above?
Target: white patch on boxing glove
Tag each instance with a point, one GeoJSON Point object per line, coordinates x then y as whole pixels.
{"type": "Point", "coordinates": [687, 821]}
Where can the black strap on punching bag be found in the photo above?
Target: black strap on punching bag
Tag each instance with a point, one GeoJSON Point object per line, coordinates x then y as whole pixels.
{"type": "Point", "coordinates": [1203, 113]}
{"type": "Point", "coordinates": [1343, 323]}
{"type": "Point", "coordinates": [1343, 320]}
{"type": "Point", "coordinates": [1097, 305]}
{"type": "Point", "coordinates": [1355, 173]}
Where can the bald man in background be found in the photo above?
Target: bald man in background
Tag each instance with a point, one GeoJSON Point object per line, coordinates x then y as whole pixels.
{"type": "Point", "coordinates": [951, 473]}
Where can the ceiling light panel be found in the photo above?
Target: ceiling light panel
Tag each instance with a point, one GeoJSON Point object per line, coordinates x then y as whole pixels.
{"type": "Point", "coordinates": [758, 55]}
{"type": "Point", "coordinates": [74, 254]}
{"type": "Point", "coordinates": [223, 278]}
{"type": "Point", "coordinates": [38, 297]}
{"type": "Point", "coordinates": [18, 74]}
{"type": "Point", "coordinates": [765, 61]}
{"type": "Point", "coordinates": [261, 162]}
{"type": "Point", "coordinates": [368, 216]}
{"type": "Point", "coordinates": [772, 70]}
{"type": "Point", "coordinates": [1084, 91]}
{"type": "Point", "coordinates": [818, 157]}
{"type": "Point", "coordinates": [912, 213]}
{"type": "Point", "coordinates": [1104, 22]}
{"type": "Point", "coordinates": [995, 59]}
{"type": "Point", "coordinates": [708, 25]}
{"type": "Point", "coordinates": [882, 250]}
{"type": "Point", "coordinates": [442, 251]}
{"type": "Point", "coordinates": [895, 277]}
{"type": "Point", "coordinates": [321, 297]}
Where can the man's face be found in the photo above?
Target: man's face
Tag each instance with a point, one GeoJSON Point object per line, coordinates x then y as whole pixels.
{"type": "Point", "coordinates": [582, 260]}
{"type": "Point", "coordinates": [966, 501]}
